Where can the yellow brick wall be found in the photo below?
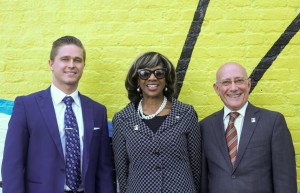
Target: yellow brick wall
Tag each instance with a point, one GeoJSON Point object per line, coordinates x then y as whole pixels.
{"type": "Point", "coordinates": [114, 32]}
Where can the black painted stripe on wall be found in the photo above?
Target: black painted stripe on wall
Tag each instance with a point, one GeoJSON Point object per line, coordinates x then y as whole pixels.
{"type": "Point", "coordinates": [189, 44]}
{"type": "Point", "coordinates": [275, 50]}
{"type": "Point", "coordinates": [259, 70]}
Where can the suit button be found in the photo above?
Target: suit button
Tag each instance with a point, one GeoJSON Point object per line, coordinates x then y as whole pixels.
{"type": "Point", "coordinates": [233, 176]}
{"type": "Point", "coordinates": [62, 170]}
{"type": "Point", "coordinates": [156, 153]}
{"type": "Point", "coordinates": [157, 168]}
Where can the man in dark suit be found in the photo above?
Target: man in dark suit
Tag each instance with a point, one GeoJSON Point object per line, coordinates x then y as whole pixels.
{"type": "Point", "coordinates": [37, 154]}
{"type": "Point", "coordinates": [253, 151]}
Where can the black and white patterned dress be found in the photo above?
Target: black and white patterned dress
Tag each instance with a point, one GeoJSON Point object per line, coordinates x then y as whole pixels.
{"type": "Point", "coordinates": [167, 161]}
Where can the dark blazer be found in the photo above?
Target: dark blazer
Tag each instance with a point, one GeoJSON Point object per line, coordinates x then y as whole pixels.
{"type": "Point", "coordinates": [168, 161]}
{"type": "Point", "coordinates": [33, 160]}
{"type": "Point", "coordinates": [265, 159]}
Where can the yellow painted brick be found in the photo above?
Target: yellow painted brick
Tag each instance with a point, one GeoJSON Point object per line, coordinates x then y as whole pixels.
{"type": "Point", "coordinates": [282, 13]}
{"type": "Point", "coordinates": [295, 135]}
{"type": "Point", "coordinates": [297, 149]}
{"type": "Point", "coordinates": [254, 39]}
{"type": "Point", "coordinates": [242, 13]}
{"type": "Point", "coordinates": [294, 98]}
{"type": "Point", "coordinates": [269, 26]}
{"type": "Point", "coordinates": [227, 52]}
{"type": "Point", "coordinates": [295, 76]}
{"type": "Point", "coordinates": [289, 62]}
{"type": "Point", "coordinates": [293, 3]}
{"type": "Point", "coordinates": [264, 99]}
{"type": "Point", "coordinates": [294, 122]}
{"type": "Point", "coordinates": [256, 51]}
{"type": "Point", "coordinates": [291, 50]}
{"type": "Point", "coordinates": [228, 26]}
{"type": "Point", "coordinates": [272, 4]}
{"type": "Point", "coordinates": [241, 4]}
{"type": "Point", "coordinates": [2, 68]}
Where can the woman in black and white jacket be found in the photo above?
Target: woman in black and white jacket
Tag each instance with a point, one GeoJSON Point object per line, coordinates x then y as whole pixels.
{"type": "Point", "coordinates": [156, 138]}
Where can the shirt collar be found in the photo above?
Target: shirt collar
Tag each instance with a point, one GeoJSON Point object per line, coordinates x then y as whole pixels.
{"type": "Point", "coordinates": [241, 111]}
{"type": "Point", "coordinates": [58, 95]}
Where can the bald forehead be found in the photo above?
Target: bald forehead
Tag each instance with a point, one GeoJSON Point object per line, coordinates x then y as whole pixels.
{"type": "Point", "coordinates": [231, 70]}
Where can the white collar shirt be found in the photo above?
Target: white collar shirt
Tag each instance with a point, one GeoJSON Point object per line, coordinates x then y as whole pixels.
{"type": "Point", "coordinates": [59, 106]}
{"type": "Point", "coordinates": [239, 121]}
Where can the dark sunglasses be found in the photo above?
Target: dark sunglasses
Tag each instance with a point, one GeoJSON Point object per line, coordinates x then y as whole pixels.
{"type": "Point", "coordinates": [145, 74]}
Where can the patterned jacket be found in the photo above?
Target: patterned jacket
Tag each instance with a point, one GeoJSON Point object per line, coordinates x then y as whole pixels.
{"type": "Point", "coordinates": [167, 161]}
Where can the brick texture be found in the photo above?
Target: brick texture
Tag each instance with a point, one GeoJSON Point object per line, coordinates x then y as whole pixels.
{"type": "Point", "coordinates": [115, 32]}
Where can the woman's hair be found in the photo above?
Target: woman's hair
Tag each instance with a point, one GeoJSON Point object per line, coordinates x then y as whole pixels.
{"type": "Point", "coordinates": [149, 60]}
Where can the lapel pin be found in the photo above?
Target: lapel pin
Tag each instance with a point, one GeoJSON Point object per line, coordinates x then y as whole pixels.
{"type": "Point", "coordinates": [177, 117]}
{"type": "Point", "coordinates": [253, 120]}
{"type": "Point", "coordinates": [136, 127]}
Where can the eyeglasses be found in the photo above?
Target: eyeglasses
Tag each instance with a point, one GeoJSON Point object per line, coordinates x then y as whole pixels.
{"type": "Point", "coordinates": [239, 81]}
{"type": "Point", "coordinates": [145, 74]}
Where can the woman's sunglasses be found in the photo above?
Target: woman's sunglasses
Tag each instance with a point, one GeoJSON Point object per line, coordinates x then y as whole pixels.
{"type": "Point", "coordinates": [145, 74]}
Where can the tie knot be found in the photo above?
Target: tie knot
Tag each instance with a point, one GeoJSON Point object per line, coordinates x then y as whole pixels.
{"type": "Point", "coordinates": [68, 100]}
{"type": "Point", "coordinates": [233, 115]}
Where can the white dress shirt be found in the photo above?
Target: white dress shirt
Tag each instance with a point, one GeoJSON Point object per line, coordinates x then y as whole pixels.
{"type": "Point", "coordinates": [239, 121]}
{"type": "Point", "coordinates": [60, 108]}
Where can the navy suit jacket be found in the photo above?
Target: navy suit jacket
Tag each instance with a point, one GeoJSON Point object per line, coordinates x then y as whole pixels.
{"type": "Point", "coordinates": [33, 160]}
{"type": "Point", "coordinates": [265, 160]}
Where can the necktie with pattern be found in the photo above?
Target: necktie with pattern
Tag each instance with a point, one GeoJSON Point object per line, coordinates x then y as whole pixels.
{"type": "Point", "coordinates": [73, 174]}
{"type": "Point", "coordinates": [231, 137]}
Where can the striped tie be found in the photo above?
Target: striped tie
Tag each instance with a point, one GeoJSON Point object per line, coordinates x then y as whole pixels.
{"type": "Point", "coordinates": [231, 137]}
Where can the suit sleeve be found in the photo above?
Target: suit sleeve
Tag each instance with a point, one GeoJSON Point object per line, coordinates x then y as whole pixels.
{"type": "Point", "coordinates": [204, 177]}
{"type": "Point", "coordinates": [283, 158]}
{"type": "Point", "coordinates": [105, 162]}
{"type": "Point", "coordinates": [120, 154]}
{"type": "Point", "coordinates": [194, 148]}
{"type": "Point", "coordinates": [15, 150]}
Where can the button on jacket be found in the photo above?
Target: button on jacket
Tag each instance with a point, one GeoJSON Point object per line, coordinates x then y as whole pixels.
{"type": "Point", "coordinates": [167, 161]}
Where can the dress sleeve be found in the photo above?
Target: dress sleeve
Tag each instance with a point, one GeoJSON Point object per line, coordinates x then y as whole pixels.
{"type": "Point", "coordinates": [194, 148]}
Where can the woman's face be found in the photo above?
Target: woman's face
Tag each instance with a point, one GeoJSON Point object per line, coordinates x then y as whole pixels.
{"type": "Point", "coordinates": [152, 81]}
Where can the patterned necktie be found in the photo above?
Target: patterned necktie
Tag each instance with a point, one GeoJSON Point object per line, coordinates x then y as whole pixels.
{"type": "Point", "coordinates": [231, 137]}
{"type": "Point", "coordinates": [73, 174]}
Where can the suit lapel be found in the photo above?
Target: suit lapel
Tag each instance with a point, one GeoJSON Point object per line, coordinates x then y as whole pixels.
{"type": "Point", "coordinates": [45, 103]}
{"type": "Point", "coordinates": [88, 124]}
{"type": "Point", "coordinates": [174, 116]}
{"type": "Point", "coordinates": [250, 122]}
{"type": "Point", "coordinates": [138, 123]}
{"type": "Point", "coordinates": [134, 122]}
{"type": "Point", "coordinates": [220, 135]}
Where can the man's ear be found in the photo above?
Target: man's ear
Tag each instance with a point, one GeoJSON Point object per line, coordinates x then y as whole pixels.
{"type": "Point", "coordinates": [216, 88]}
{"type": "Point", "coordinates": [249, 84]}
{"type": "Point", "coordinates": [50, 62]}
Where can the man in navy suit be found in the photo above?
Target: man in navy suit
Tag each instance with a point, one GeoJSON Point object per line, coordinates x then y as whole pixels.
{"type": "Point", "coordinates": [261, 158]}
{"type": "Point", "coordinates": [35, 146]}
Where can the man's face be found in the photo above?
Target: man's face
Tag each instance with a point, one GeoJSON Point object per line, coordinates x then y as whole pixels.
{"type": "Point", "coordinates": [67, 67]}
{"type": "Point", "coordinates": [233, 86]}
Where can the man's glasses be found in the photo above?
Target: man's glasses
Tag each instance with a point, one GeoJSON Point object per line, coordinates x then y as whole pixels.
{"type": "Point", "coordinates": [238, 82]}
{"type": "Point", "coordinates": [145, 74]}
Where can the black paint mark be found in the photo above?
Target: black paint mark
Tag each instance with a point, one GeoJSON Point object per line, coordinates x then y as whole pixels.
{"type": "Point", "coordinates": [189, 44]}
{"type": "Point", "coordinates": [275, 50]}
